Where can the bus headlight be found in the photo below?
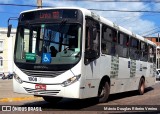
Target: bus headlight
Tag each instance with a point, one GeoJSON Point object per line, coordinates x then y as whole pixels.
{"type": "Point", "coordinates": [71, 80]}
{"type": "Point", "coordinates": [17, 78]}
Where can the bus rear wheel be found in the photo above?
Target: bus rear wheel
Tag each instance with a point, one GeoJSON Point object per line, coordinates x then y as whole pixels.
{"type": "Point", "coordinates": [103, 92]}
{"type": "Point", "coordinates": [141, 87]}
{"type": "Point", "coordinates": [52, 99]}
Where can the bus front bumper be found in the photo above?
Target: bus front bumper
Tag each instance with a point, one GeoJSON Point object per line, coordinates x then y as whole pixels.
{"type": "Point", "coordinates": [56, 90]}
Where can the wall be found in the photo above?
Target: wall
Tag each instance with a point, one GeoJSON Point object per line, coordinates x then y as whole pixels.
{"type": "Point", "coordinates": [7, 50]}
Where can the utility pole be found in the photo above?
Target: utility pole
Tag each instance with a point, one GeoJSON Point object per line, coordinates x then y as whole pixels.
{"type": "Point", "coordinates": [158, 50]}
{"type": "Point", "coordinates": [39, 3]}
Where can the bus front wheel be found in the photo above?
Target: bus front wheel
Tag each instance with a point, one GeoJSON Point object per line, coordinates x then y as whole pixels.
{"type": "Point", "coordinates": [52, 99]}
{"type": "Point", "coordinates": [103, 92]}
{"type": "Point", "coordinates": [141, 87]}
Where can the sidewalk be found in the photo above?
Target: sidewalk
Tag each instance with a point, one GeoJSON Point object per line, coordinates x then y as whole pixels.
{"type": "Point", "coordinates": [7, 94]}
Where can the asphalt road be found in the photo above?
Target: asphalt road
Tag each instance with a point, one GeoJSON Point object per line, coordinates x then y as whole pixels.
{"type": "Point", "coordinates": [122, 102]}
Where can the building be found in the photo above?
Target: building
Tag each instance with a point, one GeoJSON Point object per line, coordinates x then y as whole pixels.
{"type": "Point", "coordinates": [156, 40]}
{"type": "Point", "coordinates": [6, 50]}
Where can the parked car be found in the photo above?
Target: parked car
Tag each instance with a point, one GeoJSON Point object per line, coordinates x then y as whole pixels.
{"type": "Point", "coordinates": [158, 74]}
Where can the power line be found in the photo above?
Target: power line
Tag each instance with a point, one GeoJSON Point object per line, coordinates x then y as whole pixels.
{"type": "Point", "coordinates": [18, 5]}
{"type": "Point", "coordinates": [152, 33]}
{"type": "Point", "coordinates": [146, 15]}
{"type": "Point", "coordinates": [9, 12]}
{"type": "Point", "coordinates": [147, 32]}
{"type": "Point", "coordinates": [134, 18]}
{"type": "Point", "coordinates": [115, 10]}
{"type": "Point", "coordinates": [155, 1]}
{"type": "Point", "coordinates": [146, 11]}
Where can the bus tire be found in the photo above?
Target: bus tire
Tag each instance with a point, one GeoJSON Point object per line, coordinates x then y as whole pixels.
{"type": "Point", "coordinates": [52, 99]}
{"type": "Point", "coordinates": [103, 92]}
{"type": "Point", "coordinates": [141, 87]}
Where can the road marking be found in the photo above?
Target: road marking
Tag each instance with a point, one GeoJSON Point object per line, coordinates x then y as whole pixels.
{"type": "Point", "coordinates": [19, 99]}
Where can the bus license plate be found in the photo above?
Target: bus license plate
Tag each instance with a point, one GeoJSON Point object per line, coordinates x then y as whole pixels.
{"type": "Point", "coordinates": [40, 86]}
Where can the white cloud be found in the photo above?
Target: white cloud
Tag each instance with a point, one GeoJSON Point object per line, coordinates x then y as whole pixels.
{"type": "Point", "coordinates": [30, 2]}
{"type": "Point", "coordinates": [131, 20]}
{"type": "Point", "coordinates": [6, 1]}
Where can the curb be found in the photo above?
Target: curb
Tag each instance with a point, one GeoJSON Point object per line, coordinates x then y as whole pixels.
{"type": "Point", "coordinates": [20, 99]}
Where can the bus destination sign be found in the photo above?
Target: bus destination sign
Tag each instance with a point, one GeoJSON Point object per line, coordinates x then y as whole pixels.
{"type": "Point", "coordinates": [49, 14]}
{"type": "Point", "coordinates": [52, 15]}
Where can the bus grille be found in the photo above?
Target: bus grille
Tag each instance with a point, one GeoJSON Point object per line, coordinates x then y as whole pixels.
{"type": "Point", "coordinates": [42, 92]}
{"type": "Point", "coordinates": [47, 74]}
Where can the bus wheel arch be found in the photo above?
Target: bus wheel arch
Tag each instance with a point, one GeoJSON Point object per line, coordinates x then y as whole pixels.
{"type": "Point", "coordinates": [104, 89]}
{"type": "Point", "coordinates": [141, 87]}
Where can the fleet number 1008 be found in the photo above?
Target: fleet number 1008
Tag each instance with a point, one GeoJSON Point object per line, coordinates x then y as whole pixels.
{"type": "Point", "coordinates": [33, 79]}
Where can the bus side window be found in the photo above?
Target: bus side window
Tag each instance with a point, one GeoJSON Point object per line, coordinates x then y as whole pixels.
{"type": "Point", "coordinates": [92, 41]}
{"type": "Point", "coordinates": [143, 51]}
{"type": "Point", "coordinates": [114, 42]}
{"type": "Point", "coordinates": [146, 52]}
{"type": "Point", "coordinates": [125, 46]}
{"type": "Point", "coordinates": [151, 54]}
{"type": "Point", "coordinates": [154, 55]}
{"type": "Point", "coordinates": [123, 43]}
{"type": "Point", "coordinates": [109, 39]}
{"type": "Point", "coordinates": [134, 49]}
{"type": "Point", "coordinates": [120, 45]}
{"type": "Point", "coordinates": [106, 39]}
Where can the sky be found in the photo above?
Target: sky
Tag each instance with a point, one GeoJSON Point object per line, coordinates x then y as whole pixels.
{"type": "Point", "coordinates": [142, 23]}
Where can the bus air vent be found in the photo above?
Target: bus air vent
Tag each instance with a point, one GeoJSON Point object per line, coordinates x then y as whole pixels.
{"type": "Point", "coordinates": [46, 74]}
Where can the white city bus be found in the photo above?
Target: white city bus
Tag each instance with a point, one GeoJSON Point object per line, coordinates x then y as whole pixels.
{"type": "Point", "coordinates": [74, 53]}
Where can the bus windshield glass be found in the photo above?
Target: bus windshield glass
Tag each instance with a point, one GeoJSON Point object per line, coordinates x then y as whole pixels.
{"type": "Point", "coordinates": [56, 43]}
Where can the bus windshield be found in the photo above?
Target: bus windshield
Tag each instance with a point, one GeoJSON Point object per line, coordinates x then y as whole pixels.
{"type": "Point", "coordinates": [57, 43]}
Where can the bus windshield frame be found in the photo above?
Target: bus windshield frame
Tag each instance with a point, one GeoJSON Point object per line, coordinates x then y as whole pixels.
{"type": "Point", "coordinates": [56, 42]}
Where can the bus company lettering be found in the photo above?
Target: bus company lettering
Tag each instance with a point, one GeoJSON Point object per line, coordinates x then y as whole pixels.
{"type": "Point", "coordinates": [40, 67]}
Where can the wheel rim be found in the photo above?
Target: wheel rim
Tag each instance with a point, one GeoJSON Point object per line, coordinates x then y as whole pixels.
{"type": "Point", "coordinates": [142, 87]}
{"type": "Point", "coordinates": [102, 92]}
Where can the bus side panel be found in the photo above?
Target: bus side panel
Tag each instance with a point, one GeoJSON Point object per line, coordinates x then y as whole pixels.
{"type": "Point", "coordinates": [125, 84]}
{"type": "Point", "coordinates": [124, 68]}
{"type": "Point", "coordinates": [149, 81]}
{"type": "Point", "coordinates": [150, 75]}
{"type": "Point", "coordinates": [141, 68]}
{"type": "Point", "coordinates": [105, 66]}
{"type": "Point", "coordinates": [92, 74]}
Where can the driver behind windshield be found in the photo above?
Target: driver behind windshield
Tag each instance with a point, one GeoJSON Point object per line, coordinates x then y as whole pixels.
{"type": "Point", "coordinates": [53, 51]}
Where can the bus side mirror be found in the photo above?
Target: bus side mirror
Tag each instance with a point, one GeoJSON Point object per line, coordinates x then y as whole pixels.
{"type": "Point", "coordinates": [10, 25]}
{"type": "Point", "coordinates": [9, 30]}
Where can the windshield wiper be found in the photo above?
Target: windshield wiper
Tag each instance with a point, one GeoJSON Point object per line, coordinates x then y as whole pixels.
{"type": "Point", "coordinates": [63, 22]}
{"type": "Point", "coordinates": [60, 27]}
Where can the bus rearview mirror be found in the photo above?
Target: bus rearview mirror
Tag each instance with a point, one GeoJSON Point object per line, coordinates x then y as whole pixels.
{"type": "Point", "coordinates": [9, 30]}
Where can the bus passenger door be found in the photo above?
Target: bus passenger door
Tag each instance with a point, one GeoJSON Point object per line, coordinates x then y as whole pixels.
{"type": "Point", "coordinates": [92, 59]}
